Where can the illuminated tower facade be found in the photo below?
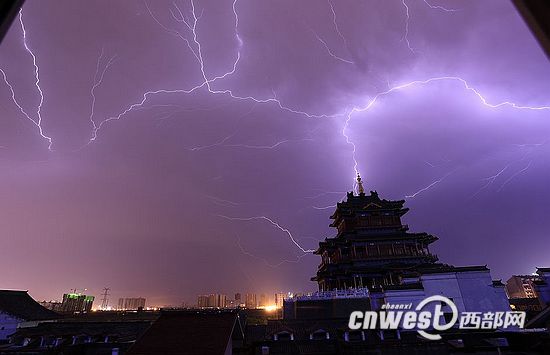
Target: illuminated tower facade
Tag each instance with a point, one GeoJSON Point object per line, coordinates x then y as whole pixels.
{"type": "Point", "coordinates": [372, 247]}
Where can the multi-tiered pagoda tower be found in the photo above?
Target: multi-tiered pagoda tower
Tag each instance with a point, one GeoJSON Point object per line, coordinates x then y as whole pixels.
{"type": "Point", "coordinates": [372, 247]}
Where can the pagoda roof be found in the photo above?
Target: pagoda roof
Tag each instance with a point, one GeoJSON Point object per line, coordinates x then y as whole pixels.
{"type": "Point", "coordinates": [364, 202]}
{"type": "Point", "coordinates": [339, 240]}
{"type": "Point", "coordinates": [450, 268]}
{"type": "Point", "coordinates": [408, 269]}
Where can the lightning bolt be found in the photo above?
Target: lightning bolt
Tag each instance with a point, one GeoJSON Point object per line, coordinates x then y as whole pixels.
{"type": "Point", "coordinates": [207, 83]}
{"type": "Point", "coordinates": [98, 80]}
{"type": "Point", "coordinates": [192, 42]}
{"type": "Point", "coordinates": [38, 120]}
{"type": "Point", "coordinates": [13, 97]}
{"type": "Point", "coordinates": [265, 261]}
{"type": "Point", "coordinates": [222, 202]}
{"type": "Point", "coordinates": [429, 164]}
{"type": "Point", "coordinates": [490, 180]}
{"type": "Point", "coordinates": [272, 146]}
{"type": "Point", "coordinates": [329, 51]}
{"type": "Point", "coordinates": [400, 87]}
{"type": "Point", "coordinates": [429, 186]}
{"type": "Point", "coordinates": [438, 7]}
{"type": "Point", "coordinates": [273, 223]}
{"type": "Point", "coordinates": [323, 208]}
{"type": "Point", "coordinates": [221, 143]}
{"type": "Point", "coordinates": [407, 20]}
{"type": "Point", "coordinates": [175, 32]}
{"type": "Point", "coordinates": [336, 27]}
{"type": "Point", "coordinates": [194, 46]}
{"type": "Point", "coordinates": [514, 175]}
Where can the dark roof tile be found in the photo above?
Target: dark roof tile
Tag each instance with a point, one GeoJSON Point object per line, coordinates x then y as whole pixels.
{"type": "Point", "coordinates": [183, 332]}
{"type": "Point", "coordinates": [20, 305]}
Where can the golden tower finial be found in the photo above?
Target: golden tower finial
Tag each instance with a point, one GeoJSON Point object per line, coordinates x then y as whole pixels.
{"type": "Point", "coordinates": [360, 184]}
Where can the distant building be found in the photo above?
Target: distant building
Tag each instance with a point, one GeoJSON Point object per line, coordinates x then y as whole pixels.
{"type": "Point", "coordinates": [51, 305]}
{"type": "Point", "coordinates": [238, 297]}
{"type": "Point", "coordinates": [76, 302]}
{"type": "Point", "coordinates": [219, 301]}
{"type": "Point", "coordinates": [279, 298]}
{"type": "Point", "coordinates": [131, 304]}
{"type": "Point", "coordinates": [542, 287]}
{"type": "Point", "coordinates": [16, 308]}
{"type": "Point", "coordinates": [251, 300]}
{"type": "Point", "coordinates": [202, 301]}
{"type": "Point", "coordinates": [213, 300]}
{"type": "Point", "coordinates": [522, 286]}
{"type": "Point", "coordinates": [529, 293]}
{"type": "Point", "coordinates": [263, 300]}
{"type": "Point", "coordinates": [231, 304]}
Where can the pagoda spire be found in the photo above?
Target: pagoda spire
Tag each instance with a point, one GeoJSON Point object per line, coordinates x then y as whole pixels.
{"type": "Point", "coordinates": [360, 188]}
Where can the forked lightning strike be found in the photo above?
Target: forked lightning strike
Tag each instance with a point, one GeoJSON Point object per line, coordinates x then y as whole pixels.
{"type": "Point", "coordinates": [336, 27]}
{"type": "Point", "coordinates": [439, 7]}
{"type": "Point", "coordinates": [460, 80]}
{"type": "Point", "coordinates": [38, 121]}
{"type": "Point", "coordinates": [194, 46]}
{"type": "Point", "coordinates": [98, 80]}
{"type": "Point", "coordinates": [273, 223]}
{"type": "Point", "coordinates": [429, 186]}
{"type": "Point", "coordinates": [329, 51]}
{"type": "Point", "coordinates": [514, 175]}
{"type": "Point", "coordinates": [265, 261]}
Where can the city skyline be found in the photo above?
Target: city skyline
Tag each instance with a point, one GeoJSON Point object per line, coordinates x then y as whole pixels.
{"type": "Point", "coordinates": [122, 168]}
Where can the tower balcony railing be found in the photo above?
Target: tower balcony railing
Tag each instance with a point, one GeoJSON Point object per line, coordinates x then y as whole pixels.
{"type": "Point", "coordinates": [382, 227]}
{"type": "Point", "coordinates": [367, 257]}
{"type": "Point", "coordinates": [327, 295]}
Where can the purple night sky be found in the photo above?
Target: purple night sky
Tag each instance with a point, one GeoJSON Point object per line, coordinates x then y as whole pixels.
{"type": "Point", "coordinates": [167, 202]}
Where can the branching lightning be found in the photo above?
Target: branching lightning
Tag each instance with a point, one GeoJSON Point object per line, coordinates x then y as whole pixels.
{"type": "Point", "coordinates": [195, 47]}
{"type": "Point", "coordinates": [514, 175]}
{"type": "Point", "coordinates": [336, 27]}
{"type": "Point", "coordinates": [323, 207]}
{"type": "Point", "coordinates": [438, 7]}
{"type": "Point", "coordinates": [273, 223]}
{"type": "Point", "coordinates": [407, 20]}
{"type": "Point", "coordinates": [190, 36]}
{"type": "Point", "coordinates": [175, 32]}
{"type": "Point", "coordinates": [329, 51]}
{"type": "Point", "coordinates": [98, 80]}
{"type": "Point", "coordinates": [38, 120]}
{"type": "Point", "coordinates": [265, 261]}
{"type": "Point", "coordinates": [490, 180]}
{"type": "Point", "coordinates": [429, 186]}
{"type": "Point", "coordinates": [460, 80]}
{"type": "Point", "coordinates": [272, 146]}
{"type": "Point", "coordinates": [222, 142]}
